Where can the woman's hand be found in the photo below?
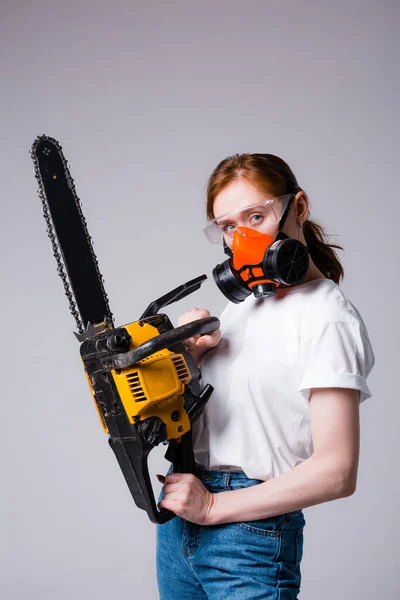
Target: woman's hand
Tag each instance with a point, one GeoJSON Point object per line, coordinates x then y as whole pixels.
{"type": "Point", "coordinates": [187, 497]}
{"type": "Point", "coordinates": [198, 345]}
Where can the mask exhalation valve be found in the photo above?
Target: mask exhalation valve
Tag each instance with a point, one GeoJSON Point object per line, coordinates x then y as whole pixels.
{"type": "Point", "coordinates": [264, 290]}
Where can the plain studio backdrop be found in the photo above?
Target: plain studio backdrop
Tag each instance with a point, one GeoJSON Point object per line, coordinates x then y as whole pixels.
{"type": "Point", "coordinates": [146, 99]}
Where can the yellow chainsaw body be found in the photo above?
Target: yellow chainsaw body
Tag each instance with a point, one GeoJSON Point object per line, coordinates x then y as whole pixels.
{"type": "Point", "coordinates": [154, 386]}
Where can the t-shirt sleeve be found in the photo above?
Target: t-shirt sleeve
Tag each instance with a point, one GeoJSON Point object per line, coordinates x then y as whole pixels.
{"type": "Point", "coordinates": [338, 354]}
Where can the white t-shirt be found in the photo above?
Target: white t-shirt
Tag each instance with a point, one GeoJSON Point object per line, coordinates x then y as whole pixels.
{"type": "Point", "coordinates": [272, 352]}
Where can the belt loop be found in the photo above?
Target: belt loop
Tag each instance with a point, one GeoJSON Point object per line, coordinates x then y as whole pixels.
{"type": "Point", "coordinates": [227, 480]}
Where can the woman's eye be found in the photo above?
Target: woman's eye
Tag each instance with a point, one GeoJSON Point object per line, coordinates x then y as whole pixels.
{"type": "Point", "coordinates": [256, 218]}
{"type": "Point", "coordinates": [228, 228]}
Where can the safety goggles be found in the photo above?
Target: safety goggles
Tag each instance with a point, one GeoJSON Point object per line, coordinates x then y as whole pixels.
{"type": "Point", "coordinates": [262, 217]}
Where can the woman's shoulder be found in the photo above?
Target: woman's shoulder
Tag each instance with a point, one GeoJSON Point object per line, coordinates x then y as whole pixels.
{"type": "Point", "coordinates": [325, 302]}
{"type": "Point", "coordinates": [304, 309]}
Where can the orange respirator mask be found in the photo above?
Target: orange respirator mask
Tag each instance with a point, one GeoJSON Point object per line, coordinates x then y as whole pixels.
{"type": "Point", "coordinates": [259, 259]}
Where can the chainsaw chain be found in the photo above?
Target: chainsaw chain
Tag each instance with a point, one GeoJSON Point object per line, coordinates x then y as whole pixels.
{"type": "Point", "coordinates": [53, 238]}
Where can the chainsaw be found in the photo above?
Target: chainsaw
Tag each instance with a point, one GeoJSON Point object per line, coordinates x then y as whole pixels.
{"type": "Point", "coordinates": [145, 386]}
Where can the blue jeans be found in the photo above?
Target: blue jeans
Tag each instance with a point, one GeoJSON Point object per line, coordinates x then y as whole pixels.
{"type": "Point", "coordinates": [251, 560]}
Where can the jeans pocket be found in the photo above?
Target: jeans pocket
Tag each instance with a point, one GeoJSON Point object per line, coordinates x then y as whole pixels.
{"type": "Point", "coordinates": [271, 526]}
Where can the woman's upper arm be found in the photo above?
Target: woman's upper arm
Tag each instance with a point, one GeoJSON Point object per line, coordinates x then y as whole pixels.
{"type": "Point", "coordinates": [335, 430]}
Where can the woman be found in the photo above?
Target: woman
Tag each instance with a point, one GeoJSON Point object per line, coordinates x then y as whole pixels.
{"type": "Point", "coordinates": [281, 430]}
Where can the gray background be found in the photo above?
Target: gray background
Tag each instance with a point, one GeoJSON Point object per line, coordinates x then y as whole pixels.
{"type": "Point", "coordinates": [146, 98]}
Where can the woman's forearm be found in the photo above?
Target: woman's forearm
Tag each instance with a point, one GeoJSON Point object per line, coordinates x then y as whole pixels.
{"type": "Point", "coordinates": [314, 481]}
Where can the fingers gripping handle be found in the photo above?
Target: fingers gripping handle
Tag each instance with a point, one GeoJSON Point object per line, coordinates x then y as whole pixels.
{"type": "Point", "coordinates": [164, 340]}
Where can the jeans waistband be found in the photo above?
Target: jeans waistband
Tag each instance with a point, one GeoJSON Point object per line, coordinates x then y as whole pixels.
{"type": "Point", "coordinates": [225, 476]}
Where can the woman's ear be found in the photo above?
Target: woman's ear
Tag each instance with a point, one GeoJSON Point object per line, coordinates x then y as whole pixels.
{"type": "Point", "coordinates": [301, 203]}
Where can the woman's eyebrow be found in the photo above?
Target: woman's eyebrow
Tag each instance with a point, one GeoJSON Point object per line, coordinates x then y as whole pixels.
{"type": "Point", "coordinates": [223, 220]}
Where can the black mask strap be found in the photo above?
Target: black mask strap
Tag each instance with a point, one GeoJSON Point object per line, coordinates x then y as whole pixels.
{"type": "Point", "coordinates": [285, 214]}
{"type": "Point", "coordinates": [227, 250]}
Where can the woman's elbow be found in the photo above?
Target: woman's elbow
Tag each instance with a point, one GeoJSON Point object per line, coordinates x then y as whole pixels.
{"type": "Point", "coordinates": [347, 482]}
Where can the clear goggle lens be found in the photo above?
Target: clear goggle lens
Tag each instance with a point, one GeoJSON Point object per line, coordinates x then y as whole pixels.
{"type": "Point", "coordinates": [262, 217]}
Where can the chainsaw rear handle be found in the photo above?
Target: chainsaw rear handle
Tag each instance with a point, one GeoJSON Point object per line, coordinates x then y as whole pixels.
{"type": "Point", "coordinates": [132, 456]}
{"type": "Point", "coordinates": [159, 342]}
{"type": "Point", "coordinates": [132, 450]}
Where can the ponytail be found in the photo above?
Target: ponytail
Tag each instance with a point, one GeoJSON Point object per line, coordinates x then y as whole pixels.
{"type": "Point", "coordinates": [321, 251]}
